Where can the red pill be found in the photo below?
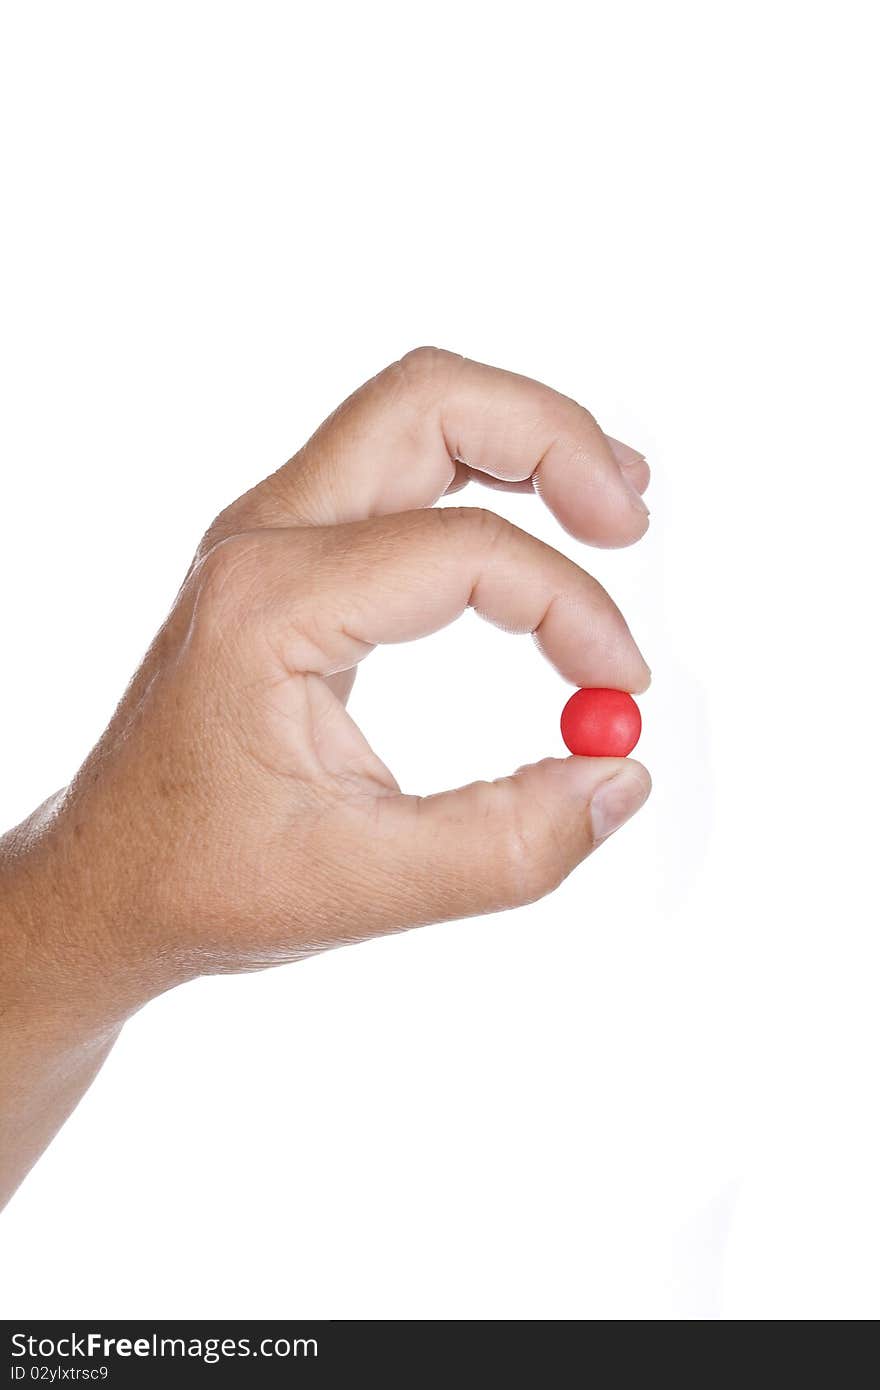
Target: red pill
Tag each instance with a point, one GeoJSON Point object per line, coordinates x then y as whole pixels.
{"type": "Point", "coordinates": [601, 723]}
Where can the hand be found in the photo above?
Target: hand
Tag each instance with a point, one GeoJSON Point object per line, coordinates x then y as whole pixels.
{"type": "Point", "coordinates": [233, 815]}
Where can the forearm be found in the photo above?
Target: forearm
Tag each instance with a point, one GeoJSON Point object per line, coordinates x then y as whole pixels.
{"type": "Point", "coordinates": [56, 1024]}
{"type": "Point", "coordinates": [44, 1072]}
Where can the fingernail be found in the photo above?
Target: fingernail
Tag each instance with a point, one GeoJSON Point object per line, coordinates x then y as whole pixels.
{"type": "Point", "coordinates": [626, 458]}
{"type": "Point", "coordinates": [616, 800]}
{"type": "Point", "coordinates": [635, 496]}
{"type": "Point", "coordinates": [623, 453]}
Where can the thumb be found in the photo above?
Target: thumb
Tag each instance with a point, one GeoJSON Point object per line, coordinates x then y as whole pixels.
{"type": "Point", "coordinates": [494, 845]}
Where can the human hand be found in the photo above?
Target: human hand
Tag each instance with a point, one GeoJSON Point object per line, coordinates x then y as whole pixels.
{"type": "Point", "coordinates": [233, 816]}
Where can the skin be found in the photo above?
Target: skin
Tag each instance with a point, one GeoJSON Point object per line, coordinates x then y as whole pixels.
{"type": "Point", "coordinates": [233, 816]}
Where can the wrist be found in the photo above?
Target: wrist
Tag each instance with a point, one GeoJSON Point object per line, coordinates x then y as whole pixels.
{"type": "Point", "coordinates": [59, 969]}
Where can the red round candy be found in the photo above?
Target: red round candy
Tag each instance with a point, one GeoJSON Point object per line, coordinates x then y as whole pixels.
{"type": "Point", "coordinates": [601, 723]}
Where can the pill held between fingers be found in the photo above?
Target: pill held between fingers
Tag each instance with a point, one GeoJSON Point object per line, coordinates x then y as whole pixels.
{"type": "Point", "coordinates": [601, 723]}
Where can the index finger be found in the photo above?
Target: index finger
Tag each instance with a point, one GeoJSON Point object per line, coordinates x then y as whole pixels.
{"type": "Point", "coordinates": [400, 441]}
{"type": "Point", "coordinates": [330, 595]}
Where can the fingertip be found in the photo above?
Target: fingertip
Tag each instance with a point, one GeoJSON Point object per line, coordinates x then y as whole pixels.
{"type": "Point", "coordinates": [603, 793]}
{"type": "Point", "coordinates": [617, 799]}
{"type": "Point", "coordinates": [628, 469]}
{"type": "Point", "coordinates": [644, 681]}
{"type": "Point", "coordinates": [637, 769]}
{"type": "Point", "coordinates": [595, 505]}
{"type": "Point", "coordinates": [582, 777]}
{"type": "Point", "coordinates": [637, 474]}
{"type": "Point", "coordinates": [640, 513]}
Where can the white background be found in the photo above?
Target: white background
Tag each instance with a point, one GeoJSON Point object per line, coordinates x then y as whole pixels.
{"type": "Point", "coordinates": [655, 1094]}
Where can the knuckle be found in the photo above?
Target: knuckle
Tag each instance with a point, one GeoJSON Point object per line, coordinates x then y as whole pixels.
{"type": "Point", "coordinates": [428, 362]}
{"type": "Point", "coordinates": [423, 373]}
{"type": "Point", "coordinates": [227, 525]}
{"type": "Point", "coordinates": [228, 572]}
{"type": "Point", "coordinates": [588, 435]}
{"type": "Point", "coordinates": [485, 524]}
{"type": "Point", "coordinates": [589, 420]}
{"type": "Point", "coordinates": [528, 853]}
